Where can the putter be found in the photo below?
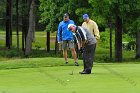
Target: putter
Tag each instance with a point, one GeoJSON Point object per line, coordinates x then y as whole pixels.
{"type": "Point", "coordinates": [72, 72]}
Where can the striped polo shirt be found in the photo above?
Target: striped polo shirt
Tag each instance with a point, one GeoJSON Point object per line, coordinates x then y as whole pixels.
{"type": "Point", "coordinates": [84, 34]}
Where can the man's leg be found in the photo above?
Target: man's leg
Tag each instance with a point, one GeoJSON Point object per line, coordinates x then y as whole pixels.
{"type": "Point", "coordinates": [65, 55]}
{"type": "Point", "coordinates": [74, 55]}
{"type": "Point", "coordinates": [73, 52]}
{"type": "Point", "coordinates": [84, 62]}
{"type": "Point", "coordinates": [90, 52]}
{"type": "Point", "coordinates": [64, 46]}
{"type": "Point", "coordinates": [88, 57]}
{"type": "Point", "coordinates": [93, 54]}
{"type": "Point", "coordinates": [84, 59]}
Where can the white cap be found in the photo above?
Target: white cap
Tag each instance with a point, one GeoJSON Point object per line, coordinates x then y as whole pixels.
{"type": "Point", "coordinates": [70, 25]}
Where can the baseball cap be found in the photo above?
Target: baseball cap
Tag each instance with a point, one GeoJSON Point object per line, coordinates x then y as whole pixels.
{"type": "Point", "coordinates": [66, 15]}
{"type": "Point", "coordinates": [85, 16]}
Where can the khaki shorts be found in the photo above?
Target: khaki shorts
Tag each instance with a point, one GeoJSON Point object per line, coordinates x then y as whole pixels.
{"type": "Point", "coordinates": [68, 43]}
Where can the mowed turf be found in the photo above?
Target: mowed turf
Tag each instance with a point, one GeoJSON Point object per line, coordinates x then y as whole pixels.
{"type": "Point", "coordinates": [106, 78]}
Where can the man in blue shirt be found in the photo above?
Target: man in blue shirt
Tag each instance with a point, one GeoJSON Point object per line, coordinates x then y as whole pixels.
{"type": "Point", "coordinates": [65, 37]}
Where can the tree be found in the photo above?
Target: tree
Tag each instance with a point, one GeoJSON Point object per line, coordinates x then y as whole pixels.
{"type": "Point", "coordinates": [138, 44]}
{"type": "Point", "coordinates": [2, 12]}
{"type": "Point", "coordinates": [24, 14]}
{"type": "Point", "coordinates": [53, 10]}
{"type": "Point", "coordinates": [48, 41]}
{"type": "Point", "coordinates": [17, 22]}
{"type": "Point", "coordinates": [9, 24]}
{"type": "Point", "coordinates": [29, 38]}
{"type": "Point", "coordinates": [137, 29]}
{"type": "Point", "coordinates": [105, 9]}
{"type": "Point", "coordinates": [110, 26]}
{"type": "Point", "coordinates": [132, 24]}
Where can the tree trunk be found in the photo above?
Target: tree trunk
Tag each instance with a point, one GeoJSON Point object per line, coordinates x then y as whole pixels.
{"type": "Point", "coordinates": [9, 24]}
{"type": "Point", "coordinates": [24, 23]}
{"type": "Point", "coordinates": [27, 15]}
{"type": "Point", "coordinates": [138, 44]}
{"type": "Point", "coordinates": [110, 40]}
{"type": "Point", "coordinates": [17, 30]}
{"type": "Point", "coordinates": [33, 29]}
{"type": "Point", "coordinates": [23, 33]}
{"type": "Point", "coordinates": [28, 47]}
{"type": "Point", "coordinates": [56, 44]}
{"type": "Point", "coordinates": [48, 41]}
{"type": "Point", "coordinates": [118, 40]}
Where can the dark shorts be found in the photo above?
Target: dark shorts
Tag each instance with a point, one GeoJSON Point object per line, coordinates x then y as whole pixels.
{"type": "Point", "coordinates": [68, 43]}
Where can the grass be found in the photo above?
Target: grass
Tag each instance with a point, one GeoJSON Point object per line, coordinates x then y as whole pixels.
{"type": "Point", "coordinates": [32, 63]}
{"type": "Point", "coordinates": [102, 51]}
{"type": "Point", "coordinates": [50, 75]}
{"type": "Point", "coordinates": [40, 39]}
{"type": "Point", "coordinates": [43, 74]}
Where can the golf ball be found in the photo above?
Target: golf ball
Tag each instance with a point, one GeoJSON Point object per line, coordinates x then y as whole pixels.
{"type": "Point", "coordinates": [68, 80]}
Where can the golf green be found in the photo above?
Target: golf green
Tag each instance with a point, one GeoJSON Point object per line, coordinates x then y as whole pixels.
{"type": "Point", "coordinates": [105, 78]}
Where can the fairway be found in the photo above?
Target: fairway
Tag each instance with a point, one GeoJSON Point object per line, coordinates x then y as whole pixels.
{"type": "Point", "coordinates": [50, 46]}
{"type": "Point", "coordinates": [106, 78]}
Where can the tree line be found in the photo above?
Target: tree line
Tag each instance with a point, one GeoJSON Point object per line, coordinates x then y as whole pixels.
{"type": "Point", "coordinates": [20, 13]}
{"type": "Point", "coordinates": [119, 15]}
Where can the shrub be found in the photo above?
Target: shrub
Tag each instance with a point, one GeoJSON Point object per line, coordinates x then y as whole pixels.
{"type": "Point", "coordinates": [13, 53]}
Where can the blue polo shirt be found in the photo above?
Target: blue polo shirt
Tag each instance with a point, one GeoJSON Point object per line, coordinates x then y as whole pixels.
{"type": "Point", "coordinates": [63, 32]}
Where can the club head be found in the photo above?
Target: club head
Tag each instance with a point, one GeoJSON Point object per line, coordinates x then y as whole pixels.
{"type": "Point", "coordinates": [71, 73]}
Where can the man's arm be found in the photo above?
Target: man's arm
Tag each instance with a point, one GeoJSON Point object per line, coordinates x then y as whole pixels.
{"type": "Point", "coordinates": [59, 33]}
{"type": "Point", "coordinates": [96, 31]}
{"type": "Point", "coordinates": [83, 24]}
{"type": "Point", "coordinates": [76, 40]}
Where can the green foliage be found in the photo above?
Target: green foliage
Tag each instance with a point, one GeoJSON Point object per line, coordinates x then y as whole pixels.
{"type": "Point", "coordinates": [11, 53]}
{"type": "Point", "coordinates": [101, 11]}
{"type": "Point", "coordinates": [52, 11]}
{"type": "Point", "coordinates": [132, 16]}
{"type": "Point", "coordinates": [80, 12]}
{"type": "Point", "coordinates": [105, 39]}
{"type": "Point", "coordinates": [136, 24]}
{"type": "Point", "coordinates": [2, 12]}
{"type": "Point", "coordinates": [105, 9]}
{"type": "Point", "coordinates": [2, 8]}
{"type": "Point", "coordinates": [39, 48]}
{"type": "Point", "coordinates": [36, 45]}
{"type": "Point", "coordinates": [14, 53]}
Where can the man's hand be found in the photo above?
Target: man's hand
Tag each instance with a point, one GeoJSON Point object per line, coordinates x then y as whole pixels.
{"type": "Point", "coordinates": [81, 50]}
{"type": "Point", "coordinates": [84, 43]}
{"type": "Point", "coordinates": [60, 42]}
{"type": "Point", "coordinates": [79, 46]}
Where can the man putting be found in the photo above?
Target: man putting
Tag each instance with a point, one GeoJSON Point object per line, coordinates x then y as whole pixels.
{"type": "Point", "coordinates": [87, 43]}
